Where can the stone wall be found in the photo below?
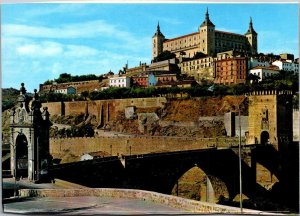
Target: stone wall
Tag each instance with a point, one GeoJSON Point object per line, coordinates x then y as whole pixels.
{"type": "Point", "coordinates": [110, 106]}
{"type": "Point", "coordinates": [54, 108]}
{"type": "Point", "coordinates": [244, 125]}
{"type": "Point", "coordinates": [172, 201]}
{"type": "Point", "coordinates": [296, 125]}
{"type": "Point", "coordinates": [134, 145]}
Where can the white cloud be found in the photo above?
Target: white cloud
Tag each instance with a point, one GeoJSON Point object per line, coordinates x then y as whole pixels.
{"type": "Point", "coordinates": [76, 9]}
{"type": "Point", "coordinates": [172, 21]}
{"type": "Point", "coordinates": [78, 30]}
{"type": "Point", "coordinates": [45, 49]}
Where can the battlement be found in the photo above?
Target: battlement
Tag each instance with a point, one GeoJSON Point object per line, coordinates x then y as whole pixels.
{"type": "Point", "coordinates": [272, 92]}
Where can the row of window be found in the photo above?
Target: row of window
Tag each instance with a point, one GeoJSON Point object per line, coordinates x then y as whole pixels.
{"type": "Point", "coordinates": [119, 80]}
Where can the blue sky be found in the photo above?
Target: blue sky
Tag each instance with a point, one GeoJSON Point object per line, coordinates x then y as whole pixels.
{"type": "Point", "coordinates": [41, 41]}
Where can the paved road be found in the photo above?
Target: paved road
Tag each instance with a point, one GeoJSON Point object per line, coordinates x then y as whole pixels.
{"type": "Point", "coordinates": [78, 205]}
{"type": "Point", "coordinates": [88, 206]}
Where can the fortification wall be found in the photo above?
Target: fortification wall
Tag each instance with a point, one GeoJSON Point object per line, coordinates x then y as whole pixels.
{"type": "Point", "coordinates": [109, 106]}
{"type": "Point", "coordinates": [54, 108]}
{"type": "Point", "coordinates": [74, 107]}
{"type": "Point", "coordinates": [134, 145]}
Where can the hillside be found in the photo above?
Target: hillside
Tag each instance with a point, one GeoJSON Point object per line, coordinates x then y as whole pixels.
{"type": "Point", "coordinates": [9, 98]}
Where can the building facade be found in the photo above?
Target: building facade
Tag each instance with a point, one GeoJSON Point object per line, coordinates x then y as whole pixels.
{"type": "Point", "coordinates": [263, 72]}
{"type": "Point", "coordinates": [119, 81]}
{"type": "Point", "coordinates": [287, 66]}
{"type": "Point", "coordinates": [230, 71]}
{"type": "Point", "coordinates": [81, 86]}
{"type": "Point", "coordinates": [207, 40]}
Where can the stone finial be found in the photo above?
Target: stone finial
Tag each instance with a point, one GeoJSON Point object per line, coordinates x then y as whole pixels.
{"type": "Point", "coordinates": [36, 95]}
{"type": "Point", "coordinates": [22, 89]}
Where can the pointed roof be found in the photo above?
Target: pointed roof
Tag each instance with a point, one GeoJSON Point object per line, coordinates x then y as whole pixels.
{"type": "Point", "coordinates": [251, 29]}
{"type": "Point", "coordinates": [207, 21]}
{"type": "Point", "coordinates": [158, 32]}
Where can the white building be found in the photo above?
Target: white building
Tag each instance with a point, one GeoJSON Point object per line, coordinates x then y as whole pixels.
{"type": "Point", "coordinates": [119, 81]}
{"type": "Point", "coordinates": [94, 155]}
{"type": "Point", "coordinates": [63, 91]}
{"type": "Point", "coordinates": [287, 66]}
{"type": "Point", "coordinates": [263, 72]}
{"type": "Point", "coordinates": [253, 62]}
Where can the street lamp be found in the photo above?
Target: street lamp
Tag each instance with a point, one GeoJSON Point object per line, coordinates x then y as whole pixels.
{"type": "Point", "coordinates": [15, 169]}
{"type": "Point", "coordinates": [240, 159]}
{"type": "Point", "coordinates": [212, 89]}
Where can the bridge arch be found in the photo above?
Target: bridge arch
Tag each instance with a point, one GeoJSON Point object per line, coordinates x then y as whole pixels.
{"type": "Point", "coordinates": [195, 183]}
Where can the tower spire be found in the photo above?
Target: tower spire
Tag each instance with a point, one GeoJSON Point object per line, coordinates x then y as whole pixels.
{"type": "Point", "coordinates": [158, 27]}
{"type": "Point", "coordinates": [251, 29]}
{"type": "Point", "coordinates": [206, 14]}
{"type": "Point", "coordinates": [207, 21]}
{"type": "Point", "coordinates": [158, 32]}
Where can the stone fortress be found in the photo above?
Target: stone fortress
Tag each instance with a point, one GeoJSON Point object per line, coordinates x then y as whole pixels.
{"type": "Point", "coordinates": [207, 40]}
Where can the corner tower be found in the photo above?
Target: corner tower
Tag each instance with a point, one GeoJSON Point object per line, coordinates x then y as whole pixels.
{"type": "Point", "coordinates": [157, 42]}
{"type": "Point", "coordinates": [251, 35]}
{"type": "Point", "coordinates": [207, 36]}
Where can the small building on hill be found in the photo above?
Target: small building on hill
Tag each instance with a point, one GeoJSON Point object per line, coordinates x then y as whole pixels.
{"type": "Point", "coordinates": [94, 155]}
{"type": "Point", "coordinates": [264, 72]}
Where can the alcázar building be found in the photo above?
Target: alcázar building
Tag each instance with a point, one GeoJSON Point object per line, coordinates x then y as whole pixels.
{"type": "Point", "coordinates": [207, 40]}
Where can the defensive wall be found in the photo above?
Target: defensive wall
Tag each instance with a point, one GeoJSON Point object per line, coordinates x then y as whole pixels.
{"type": "Point", "coordinates": [94, 107]}
{"type": "Point", "coordinates": [172, 201]}
{"type": "Point", "coordinates": [134, 144]}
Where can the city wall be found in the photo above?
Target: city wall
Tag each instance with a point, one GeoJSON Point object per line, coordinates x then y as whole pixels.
{"type": "Point", "coordinates": [94, 107]}
{"type": "Point", "coordinates": [168, 200]}
{"type": "Point", "coordinates": [134, 145]}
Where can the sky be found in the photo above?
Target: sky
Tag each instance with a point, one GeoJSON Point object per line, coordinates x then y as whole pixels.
{"type": "Point", "coordinates": [41, 41]}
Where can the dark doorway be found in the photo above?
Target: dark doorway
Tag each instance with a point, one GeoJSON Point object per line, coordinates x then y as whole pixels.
{"type": "Point", "coordinates": [264, 137]}
{"type": "Point", "coordinates": [21, 156]}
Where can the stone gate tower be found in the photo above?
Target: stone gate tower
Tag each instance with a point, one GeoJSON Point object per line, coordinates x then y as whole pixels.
{"type": "Point", "coordinates": [270, 118]}
{"type": "Point", "coordinates": [29, 128]}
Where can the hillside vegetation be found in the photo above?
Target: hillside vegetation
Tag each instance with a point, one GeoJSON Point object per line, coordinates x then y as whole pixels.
{"type": "Point", "coordinates": [9, 98]}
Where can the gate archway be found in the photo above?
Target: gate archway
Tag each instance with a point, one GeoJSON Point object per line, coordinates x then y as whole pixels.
{"type": "Point", "coordinates": [264, 137]}
{"type": "Point", "coordinates": [21, 156]}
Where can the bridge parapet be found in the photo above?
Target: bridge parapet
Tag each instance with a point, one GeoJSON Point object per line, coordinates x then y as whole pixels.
{"type": "Point", "coordinates": [117, 146]}
{"type": "Point", "coordinates": [172, 201]}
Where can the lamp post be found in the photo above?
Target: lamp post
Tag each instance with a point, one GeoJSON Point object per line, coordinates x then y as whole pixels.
{"type": "Point", "coordinates": [212, 89]}
{"type": "Point", "coordinates": [240, 160]}
{"type": "Point", "coordinates": [15, 169]}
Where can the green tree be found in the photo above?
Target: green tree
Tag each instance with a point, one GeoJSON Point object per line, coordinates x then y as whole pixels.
{"type": "Point", "coordinates": [165, 55]}
{"type": "Point", "coordinates": [85, 94]}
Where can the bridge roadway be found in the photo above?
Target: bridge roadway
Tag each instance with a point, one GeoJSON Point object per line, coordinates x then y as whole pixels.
{"type": "Point", "coordinates": [77, 205]}
{"type": "Point", "coordinates": [87, 205]}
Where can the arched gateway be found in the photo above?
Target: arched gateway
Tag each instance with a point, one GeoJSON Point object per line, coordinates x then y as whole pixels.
{"type": "Point", "coordinates": [29, 130]}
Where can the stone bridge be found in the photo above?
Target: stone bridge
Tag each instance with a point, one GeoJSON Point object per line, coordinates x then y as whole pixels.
{"type": "Point", "coordinates": [160, 172]}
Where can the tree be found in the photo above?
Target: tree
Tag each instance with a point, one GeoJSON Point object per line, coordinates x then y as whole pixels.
{"type": "Point", "coordinates": [252, 77]}
{"type": "Point", "coordinates": [85, 94]}
{"type": "Point", "coordinates": [165, 55]}
{"type": "Point", "coordinates": [199, 55]}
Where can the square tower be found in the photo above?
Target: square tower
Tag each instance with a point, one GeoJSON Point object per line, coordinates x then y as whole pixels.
{"type": "Point", "coordinates": [270, 117]}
